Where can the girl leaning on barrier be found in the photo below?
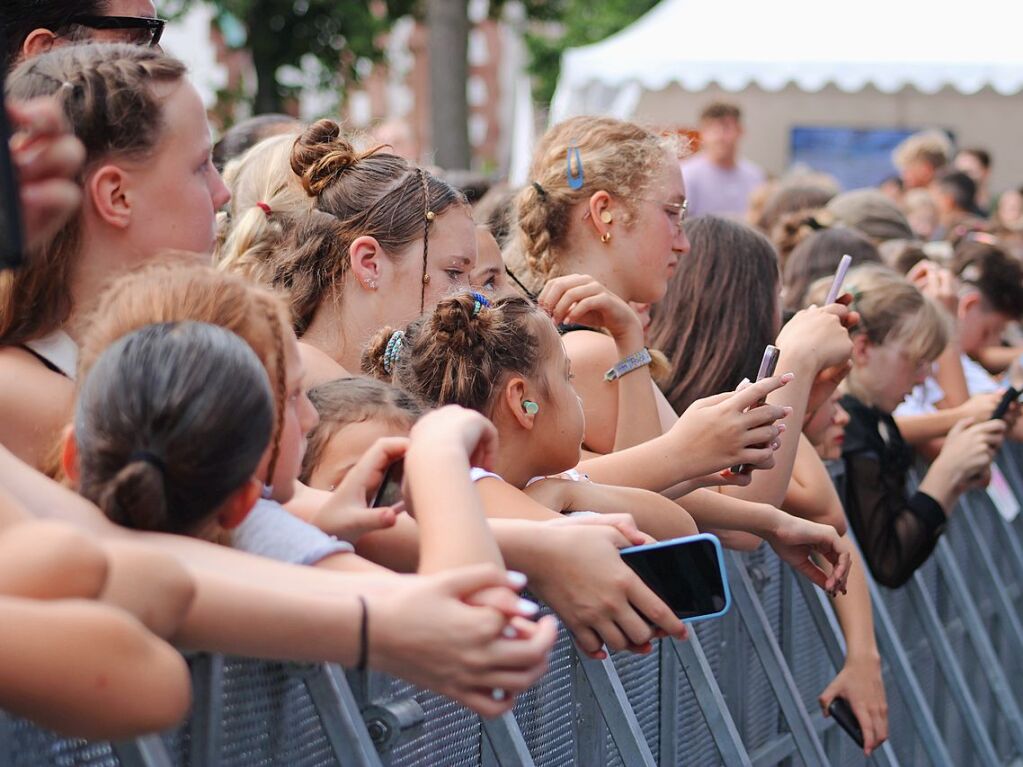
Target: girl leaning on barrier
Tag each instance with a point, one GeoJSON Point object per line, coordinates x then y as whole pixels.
{"type": "Point", "coordinates": [145, 132]}
{"type": "Point", "coordinates": [900, 334]}
{"type": "Point", "coordinates": [731, 264]}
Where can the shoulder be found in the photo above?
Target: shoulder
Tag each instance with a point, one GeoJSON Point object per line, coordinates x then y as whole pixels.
{"type": "Point", "coordinates": [36, 404]}
{"type": "Point", "coordinates": [320, 367]}
{"type": "Point", "coordinates": [271, 531]}
{"type": "Point", "coordinates": [590, 347]}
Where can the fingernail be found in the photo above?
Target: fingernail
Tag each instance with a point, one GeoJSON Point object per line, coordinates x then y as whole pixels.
{"type": "Point", "coordinates": [498, 694]}
{"type": "Point", "coordinates": [528, 608]}
{"type": "Point", "coordinates": [509, 633]}
{"type": "Point", "coordinates": [517, 580]}
{"type": "Point", "coordinates": [744, 381]}
{"type": "Point", "coordinates": [788, 377]}
{"type": "Point", "coordinates": [788, 410]}
{"type": "Point", "coordinates": [782, 427]}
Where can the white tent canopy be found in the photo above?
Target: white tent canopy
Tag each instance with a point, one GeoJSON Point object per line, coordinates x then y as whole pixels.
{"type": "Point", "coordinates": [888, 44]}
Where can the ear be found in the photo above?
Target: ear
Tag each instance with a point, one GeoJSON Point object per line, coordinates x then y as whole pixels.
{"type": "Point", "coordinates": [39, 41]}
{"type": "Point", "coordinates": [238, 505]}
{"type": "Point", "coordinates": [107, 192]}
{"type": "Point", "coordinates": [861, 349]}
{"type": "Point", "coordinates": [366, 258]}
{"type": "Point", "coordinates": [967, 304]}
{"type": "Point", "coordinates": [599, 202]}
{"type": "Point", "coordinates": [515, 394]}
{"type": "Point", "coordinates": [69, 454]}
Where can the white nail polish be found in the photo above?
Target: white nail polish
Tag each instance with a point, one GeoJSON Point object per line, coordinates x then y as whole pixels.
{"type": "Point", "coordinates": [527, 607]}
{"type": "Point", "coordinates": [498, 694]}
{"type": "Point", "coordinates": [508, 632]}
{"type": "Point", "coordinates": [516, 579]}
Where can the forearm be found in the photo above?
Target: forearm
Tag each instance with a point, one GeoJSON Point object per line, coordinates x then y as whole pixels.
{"type": "Point", "coordinates": [811, 493]}
{"type": "Point", "coordinates": [453, 528]}
{"type": "Point", "coordinates": [998, 359]}
{"type": "Point", "coordinates": [713, 510]}
{"type": "Point", "coordinates": [920, 429]}
{"type": "Point", "coordinates": [770, 486]}
{"type": "Point", "coordinates": [396, 548]}
{"type": "Point", "coordinates": [950, 376]}
{"type": "Point", "coordinates": [655, 515]}
{"type": "Point", "coordinates": [855, 612]}
{"type": "Point", "coordinates": [656, 465]}
{"type": "Point", "coordinates": [638, 416]}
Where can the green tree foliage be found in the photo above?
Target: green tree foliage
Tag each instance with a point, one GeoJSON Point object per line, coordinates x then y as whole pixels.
{"type": "Point", "coordinates": [279, 33]}
{"type": "Point", "coordinates": [561, 24]}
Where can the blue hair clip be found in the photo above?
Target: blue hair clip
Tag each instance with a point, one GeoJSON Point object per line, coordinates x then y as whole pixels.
{"type": "Point", "coordinates": [393, 349]}
{"type": "Point", "coordinates": [480, 301]}
{"type": "Point", "coordinates": [575, 179]}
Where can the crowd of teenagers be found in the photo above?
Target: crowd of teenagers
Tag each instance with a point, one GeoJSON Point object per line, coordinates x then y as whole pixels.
{"type": "Point", "coordinates": [204, 377]}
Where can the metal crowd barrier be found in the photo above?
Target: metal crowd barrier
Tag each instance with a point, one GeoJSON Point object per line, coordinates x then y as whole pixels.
{"type": "Point", "coordinates": [742, 691]}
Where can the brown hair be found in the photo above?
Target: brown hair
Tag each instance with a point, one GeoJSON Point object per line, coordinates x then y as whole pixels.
{"type": "Point", "coordinates": [356, 194]}
{"type": "Point", "coordinates": [459, 355]}
{"type": "Point", "coordinates": [176, 291]}
{"type": "Point", "coordinates": [995, 274]}
{"type": "Point", "coordinates": [618, 157]}
{"type": "Point", "coordinates": [345, 401]}
{"type": "Point", "coordinates": [818, 256]}
{"type": "Point", "coordinates": [721, 110]}
{"type": "Point", "coordinates": [159, 445]}
{"type": "Point", "coordinates": [891, 310]}
{"type": "Point", "coordinates": [109, 95]}
{"type": "Point", "coordinates": [719, 311]}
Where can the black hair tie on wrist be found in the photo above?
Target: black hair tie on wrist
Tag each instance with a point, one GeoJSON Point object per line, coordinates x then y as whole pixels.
{"type": "Point", "coordinates": [363, 635]}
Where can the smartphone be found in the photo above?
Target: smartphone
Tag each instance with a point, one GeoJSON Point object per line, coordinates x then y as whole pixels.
{"type": "Point", "coordinates": [768, 363]}
{"type": "Point", "coordinates": [1008, 398]}
{"type": "Point", "coordinates": [11, 239]}
{"type": "Point", "coordinates": [688, 574]}
{"type": "Point", "coordinates": [836, 285]}
{"type": "Point", "coordinates": [389, 492]}
{"type": "Point", "coordinates": [842, 713]}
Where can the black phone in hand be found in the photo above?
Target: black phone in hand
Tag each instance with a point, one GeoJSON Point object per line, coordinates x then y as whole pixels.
{"type": "Point", "coordinates": [843, 714]}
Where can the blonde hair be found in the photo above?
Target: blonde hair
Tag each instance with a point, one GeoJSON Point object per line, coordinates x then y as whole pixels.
{"type": "Point", "coordinates": [266, 198]}
{"type": "Point", "coordinates": [932, 147]}
{"type": "Point", "coordinates": [892, 311]}
{"type": "Point", "coordinates": [618, 157]}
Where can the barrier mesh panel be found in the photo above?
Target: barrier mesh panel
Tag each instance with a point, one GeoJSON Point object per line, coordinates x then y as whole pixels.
{"type": "Point", "coordinates": [269, 718]}
{"type": "Point", "coordinates": [641, 677]}
{"type": "Point", "coordinates": [546, 712]}
{"type": "Point", "coordinates": [32, 746]}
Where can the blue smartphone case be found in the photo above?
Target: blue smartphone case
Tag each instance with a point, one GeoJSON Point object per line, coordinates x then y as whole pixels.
{"type": "Point", "coordinates": [721, 567]}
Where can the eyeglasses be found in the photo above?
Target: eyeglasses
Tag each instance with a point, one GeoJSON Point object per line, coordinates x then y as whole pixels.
{"type": "Point", "coordinates": [680, 209]}
{"type": "Point", "coordinates": [150, 30]}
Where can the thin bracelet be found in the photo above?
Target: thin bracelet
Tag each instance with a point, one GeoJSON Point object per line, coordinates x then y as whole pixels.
{"type": "Point", "coordinates": [363, 636]}
{"type": "Point", "coordinates": [630, 363]}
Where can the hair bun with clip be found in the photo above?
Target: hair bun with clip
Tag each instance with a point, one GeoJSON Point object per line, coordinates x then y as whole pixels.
{"type": "Point", "coordinates": [392, 350]}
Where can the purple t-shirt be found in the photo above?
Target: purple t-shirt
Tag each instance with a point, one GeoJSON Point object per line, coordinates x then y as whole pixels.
{"type": "Point", "coordinates": [721, 191]}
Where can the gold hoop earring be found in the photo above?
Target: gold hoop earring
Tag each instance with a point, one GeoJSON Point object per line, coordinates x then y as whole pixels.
{"type": "Point", "coordinates": [606, 217]}
{"type": "Point", "coordinates": [605, 237]}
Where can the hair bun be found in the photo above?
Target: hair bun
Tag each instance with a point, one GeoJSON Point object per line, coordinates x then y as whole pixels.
{"type": "Point", "coordinates": [457, 322]}
{"type": "Point", "coordinates": [320, 155]}
{"type": "Point", "coordinates": [135, 498]}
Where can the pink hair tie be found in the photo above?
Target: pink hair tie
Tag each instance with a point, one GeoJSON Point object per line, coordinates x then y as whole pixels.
{"type": "Point", "coordinates": [264, 207]}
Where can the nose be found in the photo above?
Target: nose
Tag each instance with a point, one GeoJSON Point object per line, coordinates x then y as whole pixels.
{"type": "Point", "coordinates": [680, 243]}
{"type": "Point", "coordinates": [310, 416]}
{"type": "Point", "coordinates": [219, 192]}
{"type": "Point", "coordinates": [841, 416]}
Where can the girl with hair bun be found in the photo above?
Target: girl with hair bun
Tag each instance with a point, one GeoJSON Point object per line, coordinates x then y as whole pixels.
{"type": "Point", "coordinates": [382, 241]}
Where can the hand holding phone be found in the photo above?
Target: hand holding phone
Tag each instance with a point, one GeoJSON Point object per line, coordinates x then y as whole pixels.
{"type": "Point", "coordinates": [843, 714]}
{"type": "Point", "coordinates": [836, 285]}
{"type": "Point", "coordinates": [390, 492]}
{"type": "Point", "coordinates": [688, 574]}
{"type": "Point", "coordinates": [768, 364]}
{"type": "Point", "coordinates": [1008, 398]}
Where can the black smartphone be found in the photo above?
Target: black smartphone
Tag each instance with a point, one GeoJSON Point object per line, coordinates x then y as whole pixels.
{"type": "Point", "coordinates": [688, 574]}
{"type": "Point", "coordinates": [843, 714]}
{"type": "Point", "coordinates": [1007, 399]}
{"type": "Point", "coordinates": [11, 238]}
{"type": "Point", "coordinates": [768, 363]}
{"type": "Point", "coordinates": [389, 492]}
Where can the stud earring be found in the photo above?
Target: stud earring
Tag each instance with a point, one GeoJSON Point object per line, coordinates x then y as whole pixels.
{"type": "Point", "coordinates": [606, 217]}
{"type": "Point", "coordinates": [530, 407]}
{"type": "Point", "coordinates": [605, 237]}
{"type": "Point", "coordinates": [372, 284]}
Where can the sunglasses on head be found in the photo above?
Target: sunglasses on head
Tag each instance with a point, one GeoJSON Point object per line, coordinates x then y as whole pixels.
{"type": "Point", "coordinates": [152, 27]}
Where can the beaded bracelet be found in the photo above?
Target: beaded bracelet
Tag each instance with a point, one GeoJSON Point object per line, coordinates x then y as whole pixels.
{"type": "Point", "coordinates": [630, 363]}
